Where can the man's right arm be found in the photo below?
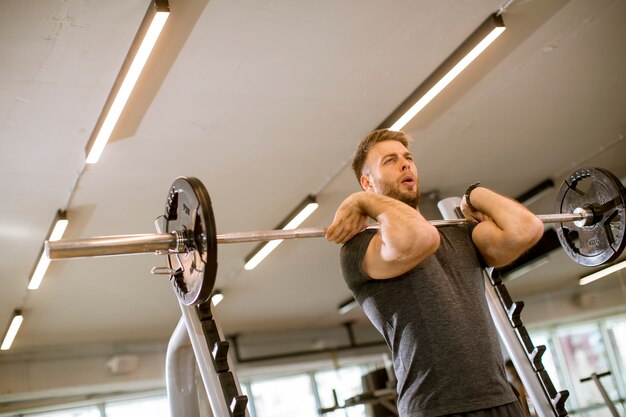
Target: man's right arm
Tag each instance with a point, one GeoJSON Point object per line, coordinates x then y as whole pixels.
{"type": "Point", "coordinates": [404, 240]}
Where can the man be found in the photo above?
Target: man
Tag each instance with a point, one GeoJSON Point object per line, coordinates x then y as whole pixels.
{"type": "Point", "coordinates": [517, 386]}
{"type": "Point", "coordinates": [423, 287]}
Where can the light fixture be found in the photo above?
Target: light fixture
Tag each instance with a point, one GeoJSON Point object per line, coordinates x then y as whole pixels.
{"type": "Point", "coordinates": [526, 268]}
{"type": "Point", "coordinates": [535, 193]}
{"type": "Point", "coordinates": [299, 215]}
{"type": "Point", "coordinates": [347, 305]}
{"type": "Point", "coordinates": [602, 273]}
{"type": "Point", "coordinates": [140, 50]}
{"type": "Point", "coordinates": [217, 297]}
{"type": "Point", "coordinates": [56, 233]}
{"type": "Point", "coordinates": [473, 46]}
{"type": "Point", "coordinates": [14, 326]}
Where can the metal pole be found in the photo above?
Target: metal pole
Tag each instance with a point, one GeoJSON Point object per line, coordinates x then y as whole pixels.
{"type": "Point", "coordinates": [180, 365]}
{"type": "Point", "coordinates": [605, 396]}
{"type": "Point", "coordinates": [524, 369]}
{"type": "Point", "coordinates": [158, 242]}
{"type": "Point", "coordinates": [110, 245]}
{"type": "Point", "coordinates": [210, 377]}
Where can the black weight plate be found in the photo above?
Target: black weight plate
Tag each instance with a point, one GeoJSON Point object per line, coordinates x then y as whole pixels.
{"type": "Point", "coordinates": [602, 192]}
{"type": "Point", "coordinates": [188, 209]}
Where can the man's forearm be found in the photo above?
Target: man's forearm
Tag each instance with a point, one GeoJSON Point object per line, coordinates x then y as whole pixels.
{"type": "Point", "coordinates": [403, 229]}
{"type": "Point", "coordinates": [510, 231]}
{"type": "Point", "coordinates": [509, 215]}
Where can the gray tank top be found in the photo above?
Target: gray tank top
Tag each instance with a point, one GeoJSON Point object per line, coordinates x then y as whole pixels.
{"type": "Point", "coordinates": [436, 321]}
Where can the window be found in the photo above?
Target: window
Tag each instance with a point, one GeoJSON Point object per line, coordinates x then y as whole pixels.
{"type": "Point", "coordinates": [347, 383]}
{"type": "Point", "coordinates": [284, 397]}
{"type": "Point", "coordinates": [616, 330]}
{"type": "Point", "coordinates": [584, 353]}
{"type": "Point", "coordinates": [549, 360]}
{"type": "Point", "coordinates": [154, 407]}
{"type": "Point", "coordinates": [576, 351]}
{"type": "Point", "coordinates": [72, 412]}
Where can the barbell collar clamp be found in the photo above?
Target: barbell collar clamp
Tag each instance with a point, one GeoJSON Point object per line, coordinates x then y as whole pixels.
{"type": "Point", "coordinates": [183, 241]}
{"type": "Point", "coordinates": [588, 217]}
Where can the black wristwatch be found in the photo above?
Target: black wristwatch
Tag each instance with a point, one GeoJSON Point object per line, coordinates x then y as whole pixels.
{"type": "Point", "coordinates": [467, 194]}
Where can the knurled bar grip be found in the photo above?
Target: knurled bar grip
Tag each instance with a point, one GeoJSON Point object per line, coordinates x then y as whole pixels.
{"type": "Point", "coordinates": [160, 242]}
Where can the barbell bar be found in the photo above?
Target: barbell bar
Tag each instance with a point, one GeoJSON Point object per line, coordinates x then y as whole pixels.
{"type": "Point", "coordinates": [177, 242]}
{"type": "Point", "coordinates": [590, 224]}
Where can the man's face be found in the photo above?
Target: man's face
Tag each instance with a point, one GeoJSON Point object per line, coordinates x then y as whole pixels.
{"type": "Point", "coordinates": [389, 170]}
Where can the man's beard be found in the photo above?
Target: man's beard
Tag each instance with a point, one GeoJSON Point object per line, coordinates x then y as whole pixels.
{"type": "Point", "coordinates": [410, 198]}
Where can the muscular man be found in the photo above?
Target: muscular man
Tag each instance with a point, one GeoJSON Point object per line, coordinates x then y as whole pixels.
{"type": "Point", "coordinates": [422, 287]}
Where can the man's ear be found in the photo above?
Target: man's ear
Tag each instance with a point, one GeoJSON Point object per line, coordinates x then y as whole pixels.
{"type": "Point", "coordinates": [366, 183]}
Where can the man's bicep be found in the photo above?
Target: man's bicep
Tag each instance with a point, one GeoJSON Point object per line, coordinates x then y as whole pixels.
{"type": "Point", "coordinates": [376, 267]}
{"type": "Point", "coordinates": [496, 249]}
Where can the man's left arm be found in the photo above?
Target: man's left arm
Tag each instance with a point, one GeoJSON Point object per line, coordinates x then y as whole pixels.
{"type": "Point", "coordinates": [506, 229]}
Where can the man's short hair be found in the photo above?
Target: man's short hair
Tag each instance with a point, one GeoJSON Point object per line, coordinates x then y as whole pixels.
{"type": "Point", "coordinates": [372, 139]}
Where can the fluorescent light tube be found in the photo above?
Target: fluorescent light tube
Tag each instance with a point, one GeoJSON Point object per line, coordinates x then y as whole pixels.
{"type": "Point", "coordinates": [347, 305]}
{"type": "Point", "coordinates": [40, 271]}
{"type": "Point", "coordinates": [310, 205]}
{"type": "Point", "coordinates": [442, 83]}
{"type": "Point", "coordinates": [261, 254]}
{"type": "Point", "coordinates": [602, 273]}
{"type": "Point", "coordinates": [518, 272]}
{"type": "Point", "coordinates": [302, 216]}
{"type": "Point", "coordinates": [129, 80]}
{"type": "Point", "coordinates": [59, 229]}
{"type": "Point", "coordinates": [9, 337]}
{"type": "Point", "coordinates": [467, 52]}
{"type": "Point", "coordinates": [60, 225]}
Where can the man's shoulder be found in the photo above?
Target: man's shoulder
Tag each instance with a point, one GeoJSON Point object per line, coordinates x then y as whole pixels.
{"type": "Point", "coordinates": [359, 240]}
{"type": "Point", "coordinates": [352, 253]}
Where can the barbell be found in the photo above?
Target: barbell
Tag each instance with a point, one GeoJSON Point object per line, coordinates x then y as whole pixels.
{"type": "Point", "coordinates": [590, 226]}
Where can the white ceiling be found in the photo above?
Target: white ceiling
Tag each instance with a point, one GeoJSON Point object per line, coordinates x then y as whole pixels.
{"type": "Point", "coordinates": [264, 101]}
